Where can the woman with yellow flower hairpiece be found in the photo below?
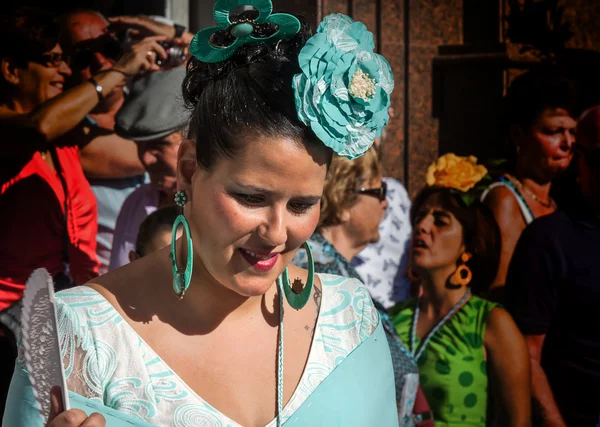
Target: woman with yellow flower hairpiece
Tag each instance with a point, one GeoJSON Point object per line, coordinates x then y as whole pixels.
{"type": "Point", "coordinates": [220, 328]}
{"type": "Point", "coordinates": [469, 350]}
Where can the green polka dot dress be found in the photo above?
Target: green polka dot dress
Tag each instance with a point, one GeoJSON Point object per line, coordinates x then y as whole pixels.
{"type": "Point", "coordinates": [453, 369]}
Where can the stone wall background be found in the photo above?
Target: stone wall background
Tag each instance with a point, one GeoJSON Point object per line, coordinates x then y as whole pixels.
{"type": "Point", "coordinates": [452, 63]}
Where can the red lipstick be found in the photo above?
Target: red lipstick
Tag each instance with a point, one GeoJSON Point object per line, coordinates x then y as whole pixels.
{"type": "Point", "coordinates": [260, 261]}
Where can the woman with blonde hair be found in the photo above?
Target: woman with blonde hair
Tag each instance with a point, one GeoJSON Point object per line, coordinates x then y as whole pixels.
{"type": "Point", "coordinates": [352, 206]}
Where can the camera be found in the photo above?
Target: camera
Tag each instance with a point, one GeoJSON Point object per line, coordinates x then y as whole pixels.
{"type": "Point", "coordinates": [175, 56]}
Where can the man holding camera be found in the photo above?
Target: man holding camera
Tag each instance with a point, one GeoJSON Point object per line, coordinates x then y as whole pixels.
{"type": "Point", "coordinates": [110, 162]}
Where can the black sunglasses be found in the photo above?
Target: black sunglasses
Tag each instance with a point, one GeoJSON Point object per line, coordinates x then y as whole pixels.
{"type": "Point", "coordinates": [591, 156]}
{"type": "Point", "coordinates": [380, 192]}
{"type": "Point", "coordinates": [51, 59]}
{"type": "Point", "coordinates": [83, 55]}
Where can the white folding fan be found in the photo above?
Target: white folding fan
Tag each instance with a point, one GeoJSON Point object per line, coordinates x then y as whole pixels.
{"type": "Point", "coordinates": [43, 356]}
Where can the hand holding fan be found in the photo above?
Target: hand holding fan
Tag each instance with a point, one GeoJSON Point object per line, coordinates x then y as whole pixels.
{"type": "Point", "coordinates": [43, 358]}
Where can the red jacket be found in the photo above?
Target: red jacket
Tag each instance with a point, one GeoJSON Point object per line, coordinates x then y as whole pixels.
{"type": "Point", "coordinates": [32, 221]}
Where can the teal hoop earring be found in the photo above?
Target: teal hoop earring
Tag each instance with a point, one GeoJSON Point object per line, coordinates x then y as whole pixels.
{"type": "Point", "coordinates": [181, 277]}
{"type": "Point", "coordinates": [298, 301]}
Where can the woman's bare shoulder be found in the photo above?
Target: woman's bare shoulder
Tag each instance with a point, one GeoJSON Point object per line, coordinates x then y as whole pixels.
{"type": "Point", "coordinates": [106, 285]}
{"type": "Point", "coordinates": [501, 328]}
{"type": "Point", "coordinates": [135, 286]}
{"type": "Point", "coordinates": [504, 205]}
{"type": "Point", "coordinates": [501, 196]}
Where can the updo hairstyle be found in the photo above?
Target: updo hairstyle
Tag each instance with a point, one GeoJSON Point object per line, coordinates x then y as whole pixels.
{"type": "Point", "coordinates": [247, 96]}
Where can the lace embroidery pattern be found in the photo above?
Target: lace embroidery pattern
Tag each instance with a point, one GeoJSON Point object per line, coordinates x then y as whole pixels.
{"type": "Point", "coordinates": [106, 360]}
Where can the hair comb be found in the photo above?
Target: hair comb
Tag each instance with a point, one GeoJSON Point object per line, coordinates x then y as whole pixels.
{"type": "Point", "coordinates": [204, 50]}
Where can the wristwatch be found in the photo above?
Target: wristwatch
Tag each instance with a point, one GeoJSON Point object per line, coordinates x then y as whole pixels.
{"type": "Point", "coordinates": [98, 88]}
{"type": "Point", "coordinates": [179, 30]}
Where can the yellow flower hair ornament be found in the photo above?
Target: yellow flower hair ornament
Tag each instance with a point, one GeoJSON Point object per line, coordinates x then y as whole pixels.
{"type": "Point", "coordinates": [461, 174]}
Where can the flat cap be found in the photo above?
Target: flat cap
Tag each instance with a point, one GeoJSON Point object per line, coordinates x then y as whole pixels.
{"type": "Point", "coordinates": [154, 107]}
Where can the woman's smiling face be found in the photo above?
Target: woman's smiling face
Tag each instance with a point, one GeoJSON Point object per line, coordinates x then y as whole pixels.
{"type": "Point", "coordinates": [249, 214]}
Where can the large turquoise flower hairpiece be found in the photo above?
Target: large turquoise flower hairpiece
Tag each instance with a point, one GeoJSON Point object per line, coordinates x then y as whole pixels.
{"type": "Point", "coordinates": [343, 92]}
{"type": "Point", "coordinates": [201, 45]}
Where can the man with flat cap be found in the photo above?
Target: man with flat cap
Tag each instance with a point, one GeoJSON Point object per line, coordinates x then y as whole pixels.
{"type": "Point", "coordinates": [154, 117]}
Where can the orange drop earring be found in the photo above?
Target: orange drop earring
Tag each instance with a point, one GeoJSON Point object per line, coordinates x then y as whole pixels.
{"type": "Point", "coordinates": [463, 274]}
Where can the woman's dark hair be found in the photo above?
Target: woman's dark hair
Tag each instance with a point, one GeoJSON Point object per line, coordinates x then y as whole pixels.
{"type": "Point", "coordinates": [481, 233]}
{"type": "Point", "coordinates": [529, 95]}
{"type": "Point", "coordinates": [245, 96]}
{"type": "Point", "coordinates": [27, 32]}
{"type": "Point", "coordinates": [534, 91]}
{"type": "Point", "coordinates": [160, 220]}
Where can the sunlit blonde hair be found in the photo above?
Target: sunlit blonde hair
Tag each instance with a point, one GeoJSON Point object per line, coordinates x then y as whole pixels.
{"type": "Point", "coordinates": [343, 179]}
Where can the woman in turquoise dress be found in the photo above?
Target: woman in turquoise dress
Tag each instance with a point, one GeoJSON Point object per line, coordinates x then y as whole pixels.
{"type": "Point", "coordinates": [219, 328]}
{"type": "Point", "coordinates": [472, 359]}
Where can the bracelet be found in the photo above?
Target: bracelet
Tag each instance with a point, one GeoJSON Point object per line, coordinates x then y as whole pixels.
{"type": "Point", "coordinates": [179, 30]}
{"type": "Point", "coordinates": [98, 89]}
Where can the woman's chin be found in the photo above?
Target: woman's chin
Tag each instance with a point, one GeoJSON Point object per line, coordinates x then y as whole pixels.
{"type": "Point", "coordinates": [418, 257]}
{"type": "Point", "coordinates": [376, 237]}
{"type": "Point", "coordinates": [251, 287]}
{"type": "Point", "coordinates": [560, 166]}
{"type": "Point", "coordinates": [422, 263]}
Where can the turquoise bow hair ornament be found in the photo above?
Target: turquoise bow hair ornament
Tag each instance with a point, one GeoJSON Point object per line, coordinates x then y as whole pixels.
{"type": "Point", "coordinates": [203, 49]}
